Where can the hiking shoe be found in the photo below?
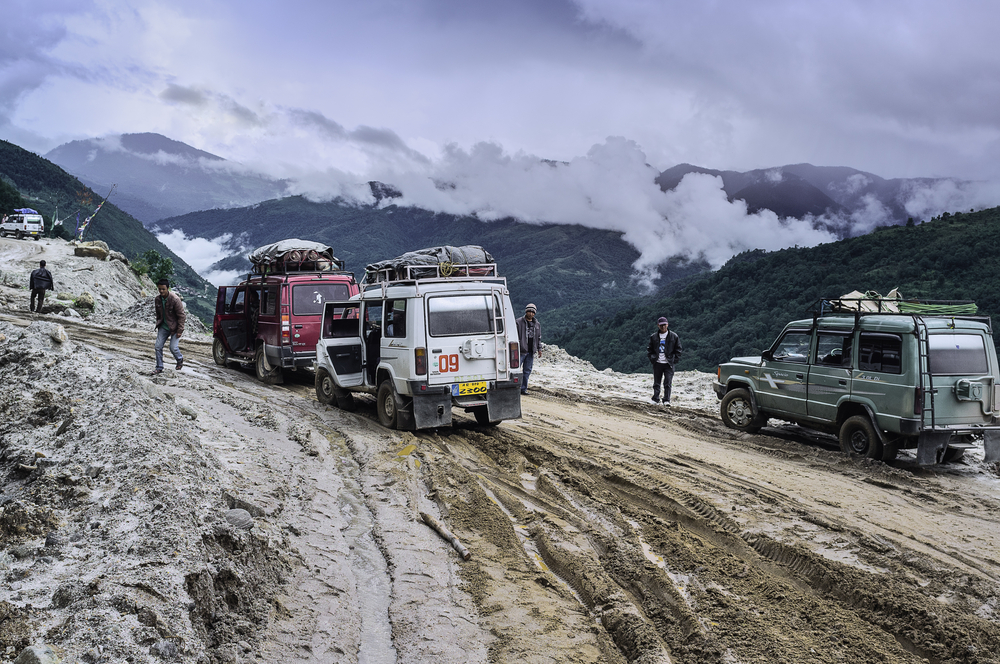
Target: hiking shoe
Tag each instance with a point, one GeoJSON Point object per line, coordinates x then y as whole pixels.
{"type": "Point", "coordinates": [655, 400]}
{"type": "Point", "coordinates": [180, 363]}
{"type": "Point", "coordinates": [524, 391]}
{"type": "Point", "coordinates": [666, 403]}
{"type": "Point", "coordinates": [156, 372]}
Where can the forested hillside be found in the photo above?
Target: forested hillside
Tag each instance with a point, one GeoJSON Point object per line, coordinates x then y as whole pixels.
{"type": "Point", "coordinates": [556, 266]}
{"type": "Point", "coordinates": [45, 187]}
{"type": "Point", "coordinates": [739, 309]}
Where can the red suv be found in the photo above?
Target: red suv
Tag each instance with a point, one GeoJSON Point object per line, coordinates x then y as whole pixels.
{"type": "Point", "coordinates": [272, 319]}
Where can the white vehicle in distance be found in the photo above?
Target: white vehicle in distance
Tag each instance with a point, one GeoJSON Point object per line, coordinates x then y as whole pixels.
{"type": "Point", "coordinates": [424, 338]}
{"type": "Point", "coordinates": [22, 223]}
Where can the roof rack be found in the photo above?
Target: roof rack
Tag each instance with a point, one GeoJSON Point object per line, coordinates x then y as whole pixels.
{"type": "Point", "coordinates": [867, 306]}
{"type": "Point", "coordinates": [286, 266]}
{"type": "Point", "coordinates": [437, 271]}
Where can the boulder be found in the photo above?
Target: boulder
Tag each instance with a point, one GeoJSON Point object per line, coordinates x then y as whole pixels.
{"type": "Point", "coordinates": [97, 249]}
{"type": "Point", "coordinates": [117, 256]}
{"type": "Point", "coordinates": [84, 301]}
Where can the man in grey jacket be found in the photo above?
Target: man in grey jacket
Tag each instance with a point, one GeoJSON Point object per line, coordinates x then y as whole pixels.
{"type": "Point", "coordinates": [39, 282]}
{"type": "Point", "coordinates": [170, 318]}
{"type": "Point", "coordinates": [529, 336]}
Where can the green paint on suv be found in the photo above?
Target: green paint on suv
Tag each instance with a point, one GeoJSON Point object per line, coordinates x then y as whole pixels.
{"type": "Point", "coordinates": [880, 381]}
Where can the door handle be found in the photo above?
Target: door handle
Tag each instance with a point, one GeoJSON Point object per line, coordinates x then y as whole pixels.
{"type": "Point", "coordinates": [843, 381]}
{"type": "Point", "coordinates": [800, 375]}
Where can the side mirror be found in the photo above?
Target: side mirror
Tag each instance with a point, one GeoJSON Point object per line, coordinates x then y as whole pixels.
{"type": "Point", "coordinates": [767, 355]}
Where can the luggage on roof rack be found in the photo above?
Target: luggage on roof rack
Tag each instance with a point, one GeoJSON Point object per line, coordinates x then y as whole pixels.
{"type": "Point", "coordinates": [871, 302]}
{"type": "Point", "coordinates": [442, 262]}
{"type": "Point", "coordinates": [294, 255]}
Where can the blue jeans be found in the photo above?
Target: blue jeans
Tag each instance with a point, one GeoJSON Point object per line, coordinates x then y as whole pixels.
{"type": "Point", "coordinates": [175, 349]}
{"type": "Point", "coordinates": [527, 362]}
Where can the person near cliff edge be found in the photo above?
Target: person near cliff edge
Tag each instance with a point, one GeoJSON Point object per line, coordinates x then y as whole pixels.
{"type": "Point", "coordinates": [39, 282]}
{"type": "Point", "coordinates": [529, 337]}
{"type": "Point", "coordinates": [664, 351]}
{"type": "Point", "coordinates": [170, 318]}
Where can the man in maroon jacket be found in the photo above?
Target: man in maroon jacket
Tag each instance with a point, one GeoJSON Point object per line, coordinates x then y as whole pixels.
{"type": "Point", "coordinates": [170, 317]}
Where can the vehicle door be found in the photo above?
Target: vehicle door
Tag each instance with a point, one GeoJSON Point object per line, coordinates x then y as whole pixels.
{"type": "Point", "coordinates": [462, 333]}
{"type": "Point", "coordinates": [883, 379]}
{"type": "Point", "coordinates": [341, 341]}
{"type": "Point", "coordinates": [781, 387]}
{"type": "Point", "coordinates": [308, 299]}
{"type": "Point", "coordinates": [961, 369]}
{"type": "Point", "coordinates": [829, 378]}
{"type": "Point", "coordinates": [396, 347]}
{"type": "Point", "coordinates": [230, 316]}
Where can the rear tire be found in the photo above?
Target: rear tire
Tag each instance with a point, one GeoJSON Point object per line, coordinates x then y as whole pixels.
{"type": "Point", "coordinates": [219, 352]}
{"type": "Point", "coordinates": [737, 411]}
{"type": "Point", "coordinates": [325, 387]}
{"type": "Point", "coordinates": [858, 438]}
{"type": "Point", "coordinates": [18, 235]}
{"type": "Point", "coordinates": [386, 405]}
{"type": "Point", "coordinates": [272, 377]}
{"type": "Point", "coordinates": [482, 414]}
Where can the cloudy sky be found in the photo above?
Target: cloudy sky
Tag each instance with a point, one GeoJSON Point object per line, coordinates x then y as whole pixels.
{"type": "Point", "coordinates": [333, 93]}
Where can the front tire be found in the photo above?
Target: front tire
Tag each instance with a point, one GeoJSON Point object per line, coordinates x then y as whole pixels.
{"type": "Point", "coordinates": [386, 406]}
{"type": "Point", "coordinates": [272, 377]}
{"type": "Point", "coordinates": [858, 438]}
{"type": "Point", "coordinates": [219, 352]}
{"type": "Point", "coordinates": [326, 389]}
{"type": "Point", "coordinates": [737, 411]}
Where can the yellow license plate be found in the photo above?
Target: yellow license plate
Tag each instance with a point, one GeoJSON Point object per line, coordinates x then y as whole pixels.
{"type": "Point", "coordinates": [467, 389]}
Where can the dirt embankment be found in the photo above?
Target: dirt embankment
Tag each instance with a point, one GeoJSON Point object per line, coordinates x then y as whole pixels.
{"type": "Point", "coordinates": [203, 517]}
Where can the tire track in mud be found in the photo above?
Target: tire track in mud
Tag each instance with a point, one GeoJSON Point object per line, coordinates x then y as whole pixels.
{"type": "Point", "coordinates": [685, 582]}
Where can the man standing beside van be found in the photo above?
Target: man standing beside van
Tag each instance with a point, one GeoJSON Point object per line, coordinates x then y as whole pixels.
{"type": "Point", "coordinates": [529, 337]}
{"type": "Point", "coordinates": [664, 351]}
{"type": "Point", "coordinates": [39, 282]}
{"type": "Point", "coordinates": [170, 318]}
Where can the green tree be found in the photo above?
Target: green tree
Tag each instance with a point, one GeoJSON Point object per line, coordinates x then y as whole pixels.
{"type": "Point", "coordinates": [152, 263]}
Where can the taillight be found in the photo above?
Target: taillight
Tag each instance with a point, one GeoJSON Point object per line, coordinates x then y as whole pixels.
{"type": "Point", "coordinates": [515, 355]}
{"type": "Point", "coordinates": [918, 400]}
{"type": "Point", "coordinates": [718, 374]}
{"type": "Point", "coordinates": [286, 332]}
{"type": "Point", "coordinates": [420, 361]}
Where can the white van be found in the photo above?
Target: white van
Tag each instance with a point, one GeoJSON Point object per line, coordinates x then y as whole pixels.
{"type": "Point", "coordinates": [424, 344]}
{"type": "Point", "coordinates": [22, 223]}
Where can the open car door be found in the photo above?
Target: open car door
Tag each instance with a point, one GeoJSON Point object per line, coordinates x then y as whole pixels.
{"type": "Point", "coordinates": [231, 317]}
{"type": "Point", "coordinates": [341, 341]}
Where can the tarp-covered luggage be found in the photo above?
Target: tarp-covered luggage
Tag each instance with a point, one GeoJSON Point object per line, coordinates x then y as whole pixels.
{"type": "Point", "coordinates": [434, 262]}
{"type": "Point", "coordinates": [294, 255]}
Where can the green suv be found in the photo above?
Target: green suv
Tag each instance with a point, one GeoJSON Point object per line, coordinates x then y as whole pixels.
{"type": "Point", "coordinates": [882, 381]}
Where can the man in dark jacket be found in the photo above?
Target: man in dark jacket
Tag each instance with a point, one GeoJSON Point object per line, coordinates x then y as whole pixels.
{"type": "Point", "coordinates": [39, 282]}
{"type": "Point", "coordinates": [664, 351]}
{"type": "Point", "coordinates": [170, 317]}
{"type": "Point", "coordinates": [529, 337]}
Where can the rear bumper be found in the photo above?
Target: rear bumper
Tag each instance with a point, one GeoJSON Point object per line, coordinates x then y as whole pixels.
{"type": "Point", "coordinates": [284, 357]}
{"type": "Point", "coordinates": [432, 404]}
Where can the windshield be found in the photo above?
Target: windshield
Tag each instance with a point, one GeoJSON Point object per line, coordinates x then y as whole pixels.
{"type": "Point", "coordinates": [958, 354]}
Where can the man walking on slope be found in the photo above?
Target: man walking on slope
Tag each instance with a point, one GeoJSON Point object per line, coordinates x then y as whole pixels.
{"type": "Point", "coordinates": [39, 282]}
{"type": "Point", "coordinates": [170, 317]}
{"type": "Point", "coordinates": [529, 336]}
{"type": "Point", "coordinates": [664, 351]}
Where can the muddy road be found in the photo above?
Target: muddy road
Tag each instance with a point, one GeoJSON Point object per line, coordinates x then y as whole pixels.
{"type": "Point", "coordinates": [600, 530]}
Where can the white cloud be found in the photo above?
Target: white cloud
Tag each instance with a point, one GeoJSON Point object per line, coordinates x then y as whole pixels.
{"type": "Point", "coordinates": [201, 254]}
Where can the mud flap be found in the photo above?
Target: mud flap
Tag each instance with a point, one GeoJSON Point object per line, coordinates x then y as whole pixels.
{"type": "Point", "coordinates": [991, 446]}
{"type": "Point", "coordinates": [426, 411]}
{"type": "Point", "coordinates": [504, 404]}
{"type": "Point", "coordinates": [931, 446]}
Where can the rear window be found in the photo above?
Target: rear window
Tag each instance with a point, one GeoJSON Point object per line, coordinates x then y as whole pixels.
{"type": "Point", "coordinates": [958, 354]}
{"type": "Point", "coordinates": [460, 314]}
{"type": "Point", "coordinates": [308, 299]}
{"type": "Point", "coordinates": [880, 352]}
